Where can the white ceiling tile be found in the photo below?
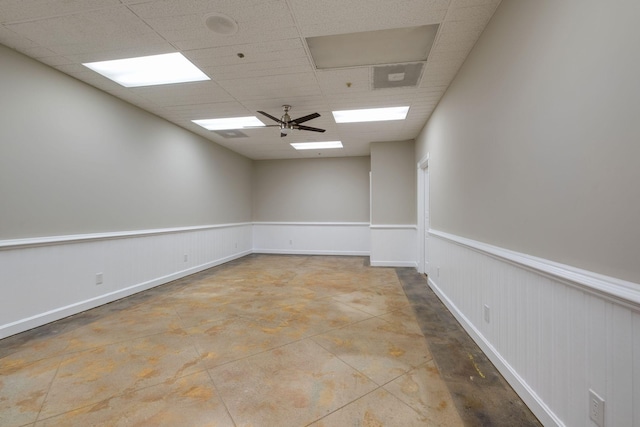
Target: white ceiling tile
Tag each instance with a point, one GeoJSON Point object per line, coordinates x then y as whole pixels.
{"type": "Point", "coordinates": [54, 61]}
{"type": "Point", "coordinates": [255, 70]}
{"type": "Point", "coordinates": [169, 8]}
{"type": "Point", "coordinates": [83, 53]}
{"type": "Point", "coordinates": [209, 110]}
{"type": "Point", "coordinates": [14, 40]}
{"type": "Point", "coordinates": [471, 3]}
{"type": "Point", "coordinates": [184, 93]}
{"type": "Point", "coordinates": [327, 17]}
{"type": "Point", "coordinates": [29, 10]}
{"type": "Point", "coordinates": [250, 35]}
{"type": "Point", "coordinates": [254, 53]}
{"type": "Point", "coordinates": [98, 29]}
{"type": "Point", "coordinates": [336, 81]}
{"type": "Point", "coordinates": [475, 13]}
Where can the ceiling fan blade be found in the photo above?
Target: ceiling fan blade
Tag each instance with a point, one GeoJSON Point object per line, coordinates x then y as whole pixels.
{"type": "Point", "coordinates": [309, 128]}
{"type": "Point", "coordinates": [305, 118]}
{"type": "Point", "coordinates": [270, 116]}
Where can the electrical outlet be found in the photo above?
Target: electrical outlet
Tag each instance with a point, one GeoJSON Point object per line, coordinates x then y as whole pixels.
{"type": "Point", "coordinates": [487, 313]}
{"type": "Point", "coordinates": [291, 242]}
{"type": "Point", "coordinates": [438, 272]}
{"type": "Point", "coordinates": [236, 245]}
{"type": "Point", "coordinates": [186, 257]}
{"type": "Point", "coordinates": [98, 278]}
{"type": "Point", "coordinates": [596, 408]}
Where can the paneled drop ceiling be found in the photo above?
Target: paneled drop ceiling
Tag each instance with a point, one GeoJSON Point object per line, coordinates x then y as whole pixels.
{"type": "Point", "coordinates": [277, 67]}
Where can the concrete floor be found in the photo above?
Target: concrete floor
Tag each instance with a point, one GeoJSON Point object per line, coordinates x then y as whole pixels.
{"type": "Point", "coordinates": [266, 340]}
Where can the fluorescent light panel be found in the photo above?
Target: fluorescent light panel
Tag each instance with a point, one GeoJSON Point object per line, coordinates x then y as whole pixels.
{"type": "Point", "coordinates": [316, 145]}
{"type": "Point", "coordinates": [371, 115]}
{"type": "Point", "coordinates": [149, 70]}
{"type": "Point", "coordinates": [229, 123]}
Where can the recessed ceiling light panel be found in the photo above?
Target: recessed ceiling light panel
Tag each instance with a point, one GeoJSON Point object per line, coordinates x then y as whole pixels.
{"type": "Point", "coordinates": [149, 70]}
{"type": "Point", "coordinates": [229, 123]}
{"type": "Point", "coordinates": [316, 145]}
{"type": "Point", "coordinates": [371, 115]}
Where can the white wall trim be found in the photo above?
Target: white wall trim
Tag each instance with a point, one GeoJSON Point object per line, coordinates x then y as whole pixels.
{"type": "Point", "coordinates": [310, 252]}
{"type": "Point", "coordinates": [53, 277]}
{"type": "Point", "coordinates": [393, 245]}
{"type": "Point", "coordinates": [411, 264]}
{"type": "Point", "coordinates": [80, 306]}
{"type": "Point", "coordinates": [321, 224]}
{"type": "Point", "coordinates": [614, 289]}
{"type": "Point", "coordinates": [523, 390]}
{"type": "Point", "coordinates": [312, 238]}
{"type": "Point", "coordinates": [76, 238]}
{"type": "Point", "coordinates": [393, 227]}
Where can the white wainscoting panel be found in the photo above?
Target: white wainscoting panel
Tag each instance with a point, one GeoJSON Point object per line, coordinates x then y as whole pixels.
{"type": "Point", "coordinates": [393, 245]}
{"type": "Point", "coordinates": [554, 331]}
{"type": "Point", "coordinates": [311, 238]}
{"type": "Point", "coordinates": [42, 280]}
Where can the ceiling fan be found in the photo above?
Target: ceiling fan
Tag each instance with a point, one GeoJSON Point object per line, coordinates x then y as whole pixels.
{"type": "Point", "coordinates": [286, 124]}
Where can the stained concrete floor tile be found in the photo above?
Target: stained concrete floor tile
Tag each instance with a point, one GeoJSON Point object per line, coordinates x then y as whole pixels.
{"type": "Point", "coordinates": [23, 389]}
{"type": "Point", "coordinates": [187, 401]}
{"type": "Point", "coordinates": [123, 325]}
{"type": "Point", "coordinates": [377, 409]}
{"type": "Point", "coordinates": [373, 302]}
{"type": "Point", "coordinates": [310, 317]}
{"type": "Point", "coordinates": [376, 348]}
{"type": "Point", "coordinates": [236, 338]}
{"type": "Point", "coordinates": [87, 377]}
{"type": "Point", "coordinates": [423, 390]}
{"type": "Point", "coordinates": [292, 386]}
{"type": "Point", "coordinates": [403, 318]}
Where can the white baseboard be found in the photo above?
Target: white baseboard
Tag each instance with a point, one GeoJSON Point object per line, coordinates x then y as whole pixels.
{"type": "Point", "coordinates": [553, 331]}
{"type": "Point", "coordinates": [80, 306]}
{"type": "Point", "coordinates": [43, 280]}
{"type": "Point", "coordinates": [394, 264]}
{"type": "Point", "coordinates": [530, 398]}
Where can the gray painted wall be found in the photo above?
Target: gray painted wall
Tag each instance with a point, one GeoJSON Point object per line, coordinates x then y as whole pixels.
{"type": "Point", "coordinates": [535, 145]}
{"type": "Point", "coordinates": [74, 160]}
{"type": "Point", "coordinates": [311, 190]}
{"type": "Point", "coordinates": [393, 183]}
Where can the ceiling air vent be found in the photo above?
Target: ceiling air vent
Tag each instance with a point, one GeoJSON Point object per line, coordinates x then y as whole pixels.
{"type": "Point", "coordinates": [399, 75]}
{"type": "Point", "coordinates": [229, 134]}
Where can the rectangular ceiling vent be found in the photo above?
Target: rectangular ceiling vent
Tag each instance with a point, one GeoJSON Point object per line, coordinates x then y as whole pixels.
{"type": "Point", "coordinates": [398, 75]}
{"type": "Point", "coordinates": [229, 134]}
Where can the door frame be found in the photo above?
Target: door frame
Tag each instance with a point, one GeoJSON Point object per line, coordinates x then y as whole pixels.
{"type": "Point", "coordinates": [422, 173]}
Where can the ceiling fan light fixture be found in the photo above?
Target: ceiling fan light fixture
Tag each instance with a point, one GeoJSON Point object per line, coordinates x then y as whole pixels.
{"type": "Point", "coordinates": [371, 114]}
{"type": "Point", "coordinates": [316, 145]}
{"type": "Point", "coordinates": [229, 123]}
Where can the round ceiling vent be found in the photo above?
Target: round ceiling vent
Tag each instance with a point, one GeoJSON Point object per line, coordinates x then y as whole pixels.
{"type": "Point", "coordinates": [221, 24]}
